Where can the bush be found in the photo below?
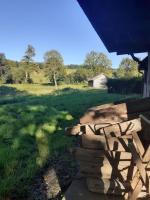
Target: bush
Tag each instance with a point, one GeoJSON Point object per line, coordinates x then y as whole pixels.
{"type": "Point", "coordinates": [125, 86]}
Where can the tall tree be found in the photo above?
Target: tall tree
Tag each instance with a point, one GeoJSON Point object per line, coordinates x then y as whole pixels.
{"type": "Point", "coordinates": [128, 68]}
{"type": "Point", "coordinates": [94, 59]}
{"type": "Point", "coordinates": [27, 61]}
{"type": "Point", "coordinates": [4, 68]}
{"type": "Point", "coordinates": [54, 65]}
{"type": "Point", "coordinates": [99, 63]}
{"type": "Point", "coordinates": [2, 63]}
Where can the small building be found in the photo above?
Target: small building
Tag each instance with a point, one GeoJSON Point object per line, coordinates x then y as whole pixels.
{"type": "Point", "coordinates": [99, 81]}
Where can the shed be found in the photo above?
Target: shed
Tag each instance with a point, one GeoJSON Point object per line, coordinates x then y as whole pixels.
{"type": "Point", "coordinates": [98, 81]}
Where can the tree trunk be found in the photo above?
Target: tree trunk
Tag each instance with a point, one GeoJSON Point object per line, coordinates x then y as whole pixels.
{"type": "Point", "coordinates": [55, 80]}
{"type": "Point", "coordinates": [26, 77]}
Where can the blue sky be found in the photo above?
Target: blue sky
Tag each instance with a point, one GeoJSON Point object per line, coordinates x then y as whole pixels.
{"type": "Point", "coordinates": [48, 24]}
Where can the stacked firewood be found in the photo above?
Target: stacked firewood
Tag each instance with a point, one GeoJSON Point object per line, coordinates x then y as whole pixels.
{"type": "Point", "coordinates": [114, 150]}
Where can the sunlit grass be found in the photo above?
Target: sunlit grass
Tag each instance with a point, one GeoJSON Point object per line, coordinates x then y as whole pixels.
{"type": "Point", "coordinates": [32, 123]}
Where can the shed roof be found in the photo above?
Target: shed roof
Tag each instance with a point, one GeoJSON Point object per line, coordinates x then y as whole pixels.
{"type": "Point", "coordinates": [97, 77]}
{"type": "Point", "coordinates": [122, 25]}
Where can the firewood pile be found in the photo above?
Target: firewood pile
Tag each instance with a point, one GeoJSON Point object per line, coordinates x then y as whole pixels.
{"type": "Point", "coordinates": [114, 152]}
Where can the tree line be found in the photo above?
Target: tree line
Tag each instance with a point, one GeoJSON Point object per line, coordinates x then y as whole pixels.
{"type": "Point", "coordinates": [52, 69]}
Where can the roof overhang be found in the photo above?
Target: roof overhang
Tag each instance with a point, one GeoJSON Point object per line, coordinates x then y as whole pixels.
{"type": "Point", "coordinates": [122, 25]}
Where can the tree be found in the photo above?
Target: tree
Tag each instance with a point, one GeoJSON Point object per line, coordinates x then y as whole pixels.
{"type": "Point", "coordinates": [82, 74]}
{"type": "Point", "coordinates": [99, 63]}
{"type": "Point", "coordinates": [2, 63]}
{"type": "Point", "coordinates": [128, 68]}
{"type": "Point", "coordinates": [94, 59]}
{"type": "Point", "coordinates": [54, 66]}
{"type": "Point", "coordinates": [4, 68]}
{"type": "Point", "coordinates": [28, 61]}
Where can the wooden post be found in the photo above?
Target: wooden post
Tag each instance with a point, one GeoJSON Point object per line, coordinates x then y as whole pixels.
{"type": "Point", "coordinates": [146, 92]}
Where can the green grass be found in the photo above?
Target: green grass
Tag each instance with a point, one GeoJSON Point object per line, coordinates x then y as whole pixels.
{"type": "Point", "coordinates": [32, 123]}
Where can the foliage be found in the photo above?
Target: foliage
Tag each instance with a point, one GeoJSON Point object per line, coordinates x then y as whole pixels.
{"type": "Point", "coordinates": [128, 68]}
{"type": "Point", "coordinates": [53, 70]}
{"type": "Point", "coordinates": [54, 67]}
{"type": "Point", "coordinates": [29, 54]}
{"type": "Point", "coordinates": [98, 63]}
{"type": "Point", "coordinates": [27, 62]}
{"type": "Point", "coordinates": [94, 59]}
{"type": "Point", "coordinates": [4, 69]}
{"type": "Point", "coordinates": [82, 74]}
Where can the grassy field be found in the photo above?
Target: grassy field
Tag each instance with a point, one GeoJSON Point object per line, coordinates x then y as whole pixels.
{"type": "Point", "coordinates": [32, 123]}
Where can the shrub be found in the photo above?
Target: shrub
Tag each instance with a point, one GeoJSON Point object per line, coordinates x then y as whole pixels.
{"type": "Point", "coordinates": [125, 86]}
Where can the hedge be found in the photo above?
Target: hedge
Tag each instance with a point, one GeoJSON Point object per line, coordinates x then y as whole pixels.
{"type": "Point", "coordinates": [125, 86]}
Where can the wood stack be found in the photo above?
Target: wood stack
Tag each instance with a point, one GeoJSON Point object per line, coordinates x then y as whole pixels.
{"type": "Point", "coordinates": [114, 152]}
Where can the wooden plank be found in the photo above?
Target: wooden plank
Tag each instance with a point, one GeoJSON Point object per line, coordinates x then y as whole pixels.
{"type": "Point", "coordinates": [97, 162]}
{"type": "Point", "coordinates": [138, 144]}
{"type": "Point", "coordinates": [139, 105]}
{"type": "Point", "coordinates": [107, 186]}
{"type": "Point", "coordinates": [119, 129]}
{"type": "Point", "coordinates": [78, 191]}
{"type": "Point", "coordinates": [145, 119]}
{"type": "Point", "coordinates": [105, 170]}
{"type": "Point", "coordinates": [137, 183]}
{"type": "Point", "coordinates": [124, 128]}
{"type": "Point", "coordinates": [103, 143]}
{"type": "Point", "coordinates": [139, 163]}
{"type": "Point", "coordinates": [146, 92]}
{"type": "Point", "coordinates": [117, 113]}
{"type": "Point", "coordinates": [88, 154]}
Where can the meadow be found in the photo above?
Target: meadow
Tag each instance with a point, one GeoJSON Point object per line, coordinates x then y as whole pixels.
{"type": "Point", "coordinates": [33, 118]}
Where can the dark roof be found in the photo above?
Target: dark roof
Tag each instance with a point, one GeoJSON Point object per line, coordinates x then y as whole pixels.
{"type": "Point", "coordinates": [122, 25]}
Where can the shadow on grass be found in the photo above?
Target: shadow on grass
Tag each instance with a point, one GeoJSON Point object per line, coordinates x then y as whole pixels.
{"type": "Point", "coordinates": [7, 91]}
{"type": "Point", "coordinates": [32, 134]}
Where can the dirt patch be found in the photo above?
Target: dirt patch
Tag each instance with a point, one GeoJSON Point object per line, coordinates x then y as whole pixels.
{"type": "Point", "coordinates": [54, 178]}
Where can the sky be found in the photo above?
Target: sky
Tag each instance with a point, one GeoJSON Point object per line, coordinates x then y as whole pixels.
{"type": "Point", "coordinates": [47, 25]}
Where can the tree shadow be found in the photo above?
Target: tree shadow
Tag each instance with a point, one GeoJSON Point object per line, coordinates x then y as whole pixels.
{"type": "Point", "coordinates": [32, 135]}
{"type": "Point", "coordinates": [32, 140]}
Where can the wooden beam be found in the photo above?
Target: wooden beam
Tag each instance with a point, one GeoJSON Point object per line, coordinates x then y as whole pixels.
{"type": "Point", "coordinates": [146, 92]}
